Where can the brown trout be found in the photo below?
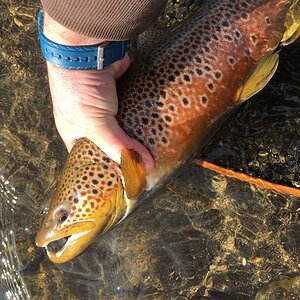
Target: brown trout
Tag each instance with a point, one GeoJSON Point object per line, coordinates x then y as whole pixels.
{"type": "Point", "coordinates": [168, 100]}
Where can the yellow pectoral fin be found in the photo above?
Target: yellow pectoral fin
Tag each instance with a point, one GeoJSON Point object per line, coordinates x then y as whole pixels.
{"type": "Point", "coordinates": [134, 172]}
{"type": "Point", "coordinates": [292, 24]}
{"type": "Point", "coordinates": [293, 37]}
{"type": "Point", "coordinates": [261, 75]}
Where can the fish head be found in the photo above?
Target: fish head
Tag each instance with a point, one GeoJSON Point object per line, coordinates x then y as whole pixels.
{"type": "Point", "coordinates": [89, 199]}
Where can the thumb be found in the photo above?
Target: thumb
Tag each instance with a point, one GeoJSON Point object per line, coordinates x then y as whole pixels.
{"type": "Point", "coordinates": [112, 140]}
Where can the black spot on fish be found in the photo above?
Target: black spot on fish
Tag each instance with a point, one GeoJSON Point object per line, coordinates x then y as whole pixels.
{"type": "Point", "coordinates": [244, 4]}
{"type": "Point", "coordinates": [171, 78]}
{"type": "Point", "coordinates": [206, 49]}
{"type": "Point", "coordinates": [228, 37]}
{"type": "Point", "coordinates": [245, 16]}
{"type": "Point", "coordinates": [207, 38]}
{"type": "Point", "coordinates": [151, 141]}
{"type": "Point", "coordinates": [185, 101]}
{"type": "Point", "coordinates": [210, 86]}
{"type": "Point", "coordinates": [253, 38]}
{"type": "Point", "coordinates": [106, 159]}
{"type": "Point", "coordinates": [218, 75]}
{"type": "Point", "coordinates": [231, 60]}
{"type": "Point", "coordinates": [198, 59]}
{"type": "Point", "coordinates": [139, 132]}
{"type": "Point", "coordinates": [152, 73]}
{"type": "Point", "coordinates": [207, 68]}
{"type": "Point", "coordinates": [168, 118]}
{"type": "Point", "coordinates": [163, 94]}
{"type": "Point", "coordinates": [237, 34]}
{"type": "Point", "coordinates": [225, 23]}
{"type": "Point", "coordinates": [148, 103]}
{"type": "Point", "coordinates": [199, 71]}
{"type": "Point", "coordinates": [186, 77]}
{"type": "Point", "coordinates": [145, 121]}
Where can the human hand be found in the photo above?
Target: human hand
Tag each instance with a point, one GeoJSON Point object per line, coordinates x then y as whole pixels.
{"type": "Point", "coordinates": [85, 102]}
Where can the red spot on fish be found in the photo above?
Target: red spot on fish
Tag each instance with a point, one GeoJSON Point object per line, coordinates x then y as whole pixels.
{"type": "Point", "coordinates": [85, 202]}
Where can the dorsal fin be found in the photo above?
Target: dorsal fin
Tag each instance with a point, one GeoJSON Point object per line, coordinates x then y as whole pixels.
{"type": "Point", "coordinates": [134, 172]}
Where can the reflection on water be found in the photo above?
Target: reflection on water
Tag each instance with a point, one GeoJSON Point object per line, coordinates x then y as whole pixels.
{"type": "Point", "coordinates": [203, 235]}
{"type": "Point", "coordinates": [12, 285]}
{"type": "Point", "coordinates": [285, 288]}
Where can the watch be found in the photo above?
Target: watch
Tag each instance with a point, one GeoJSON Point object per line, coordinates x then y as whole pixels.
{"type": "Point", "coordinates": [80, 57]}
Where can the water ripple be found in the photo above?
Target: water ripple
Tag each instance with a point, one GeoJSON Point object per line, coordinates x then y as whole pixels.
{"type": "Point", "coordinates": [12, 285]}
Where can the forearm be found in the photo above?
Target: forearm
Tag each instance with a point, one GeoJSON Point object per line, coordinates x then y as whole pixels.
{"type": "Point", "coordinates": [103, 19]}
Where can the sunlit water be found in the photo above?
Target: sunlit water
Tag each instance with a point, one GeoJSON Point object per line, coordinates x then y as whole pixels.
{"type": "Point", "coordinates": [203, 235]}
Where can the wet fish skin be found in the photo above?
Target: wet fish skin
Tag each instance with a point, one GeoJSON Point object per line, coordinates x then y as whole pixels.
{"type": "Point", "coordinates": [195, 76]}
{"type": "Point", "coordinates": [168, 100]}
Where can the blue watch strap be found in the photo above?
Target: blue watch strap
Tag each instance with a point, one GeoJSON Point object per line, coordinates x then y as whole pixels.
{"type": "Point", "coordinates": [80, 57]}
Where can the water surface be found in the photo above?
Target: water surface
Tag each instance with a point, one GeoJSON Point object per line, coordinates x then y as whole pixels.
{"type": "Point", "coordinates": [202, 236]}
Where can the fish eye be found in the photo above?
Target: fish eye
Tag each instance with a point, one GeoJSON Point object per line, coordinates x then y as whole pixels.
{"type": "Point", "coordinates": [62, 216]}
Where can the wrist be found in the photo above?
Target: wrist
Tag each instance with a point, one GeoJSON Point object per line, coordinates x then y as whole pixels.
{"type": "Point", "coordinates": [68, 49]}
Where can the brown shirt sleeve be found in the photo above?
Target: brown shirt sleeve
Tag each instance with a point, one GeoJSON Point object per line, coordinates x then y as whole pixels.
{"type": "Point", "coordinates": [105, 19]}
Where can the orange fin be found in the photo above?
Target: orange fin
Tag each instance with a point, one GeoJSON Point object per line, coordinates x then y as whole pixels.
{"type": "Point", "coordinates": [134, 172]}
{"type": "Point", "coordinates": [257, 181]}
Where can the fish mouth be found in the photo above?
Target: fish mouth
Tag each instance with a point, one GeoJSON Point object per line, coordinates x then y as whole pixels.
{"type": "Point", "coordinates": [64, 244]}
{"type": "Point", "coordinates": [56, 248]}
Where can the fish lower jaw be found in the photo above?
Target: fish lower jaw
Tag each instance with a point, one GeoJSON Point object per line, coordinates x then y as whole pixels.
{"type": "Point", "coordinates": [70, 240]}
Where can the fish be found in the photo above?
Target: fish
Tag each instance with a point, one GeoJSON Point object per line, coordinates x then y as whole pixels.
{"type": "Point", "coordinates": [169, 100]}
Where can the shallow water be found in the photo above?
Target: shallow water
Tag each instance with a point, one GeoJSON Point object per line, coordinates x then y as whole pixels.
{"type": "Point", "coordinates": [202, 236]}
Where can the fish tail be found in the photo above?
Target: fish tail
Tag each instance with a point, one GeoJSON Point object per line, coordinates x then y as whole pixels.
{"type": "Point", "coordinates": [247, 178]}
